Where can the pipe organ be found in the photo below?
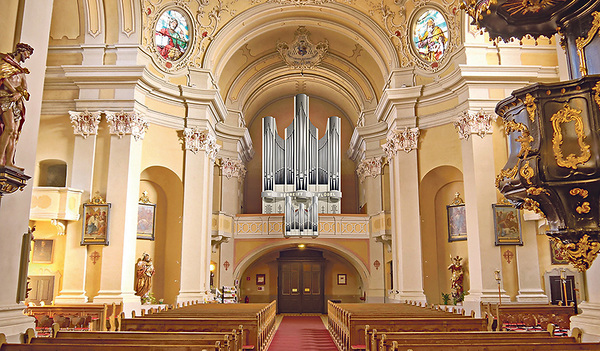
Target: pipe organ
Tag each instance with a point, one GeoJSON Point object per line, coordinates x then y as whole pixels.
{"type": "Point", "coordinates": [301, 173]}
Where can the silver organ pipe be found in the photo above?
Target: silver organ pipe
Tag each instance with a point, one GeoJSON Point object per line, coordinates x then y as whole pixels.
{"type": "Point", "coordinates": [301, 173]}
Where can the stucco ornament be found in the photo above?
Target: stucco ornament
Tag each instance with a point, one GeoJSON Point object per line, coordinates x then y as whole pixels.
{"type": "Point", "coordinates": [196, 139]}
{"type": "Point", "coordinates": [85, 123]}
{"type": "Point", "coordinates": [126, 123]}
{"type": "Point", "coordinates": [404, 139]}
{"type": "Point", "coordinates": [233, 168]}
{"type": "Point", "coordinates": [369, 167]}
{"type": "Point", "coordinates": [470, 122]}
{"type": "Point", "coordinates": [302, 53]}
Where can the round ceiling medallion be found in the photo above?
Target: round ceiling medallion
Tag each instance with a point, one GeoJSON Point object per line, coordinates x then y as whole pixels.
{"type": "Point", "coordinates": [172, 35]}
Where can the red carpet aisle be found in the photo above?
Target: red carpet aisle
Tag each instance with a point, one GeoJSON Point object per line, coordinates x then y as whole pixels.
{"type": "Point", "coordinates": [302, 333]}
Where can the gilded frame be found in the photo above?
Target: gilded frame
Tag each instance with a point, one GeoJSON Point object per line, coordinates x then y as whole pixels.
{"type": "Point", "coordinates": [95, 224]}
{"type": "Point", "coordinates": [146, 223]}
{"type": "Point", "coordinates": [457, 222]}
{"type": "Point", "coordinates": [507, 225]}
{"type": "Point", "coordinates": [556, 254]}
{"type": "Point", "coordinates": [261, 279]}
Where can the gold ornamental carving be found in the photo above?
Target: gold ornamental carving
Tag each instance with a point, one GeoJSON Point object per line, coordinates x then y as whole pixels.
{"type": "Point", "coordinates": [525, 139]}
{"type": "Point", "coordinates": [582, 42]}
{"type": "Point", "coordinates": [568, 114]}
{"type": "Point", "coordinates": [537, 191]}
{"type": "Point", "coordinates": [596, 90]}
{"type": "Point", "coordinates": [532, 205]}
{"type": "Point", "coordinates": [527, 172]}
{"type": "Point", "coordinates": [530, 106]}
{"type": "Point", "coordinates": [584, 208]}
{"type": "Point", "coordinates": [578, 191]}
{"type": "Point", "coordinates": [507, 173]}
{"type": "Point", "coordinates": [580, 254]}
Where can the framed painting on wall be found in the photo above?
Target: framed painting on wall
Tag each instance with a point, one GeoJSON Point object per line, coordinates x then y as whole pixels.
{"type": "Point", "coordinates": [260, 279]}
{"type": "Point", "coordinates": [341, 279]}
{"type": "Point", "coordinates": [457, 222]}
{"type": "Point", "coordinates": [42, 251]}
{"type": "Point", "coordinates": [95, 224]}
{"type": "Point", "coordinates": [557, 255]}
{"type": "Point", "coordinates": [507, 225]}
{"type": "Point", "coordinates": [146, 221]}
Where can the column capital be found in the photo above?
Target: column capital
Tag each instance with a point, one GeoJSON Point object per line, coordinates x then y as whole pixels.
{"type": "Point", "coordinates": [369, 167]}
{"type": "Point", "coordinates": [196, 140]}
{"type": "Point", "coordinates": [233, 168]}
{"type": "Point", "coordinates": [85, 123]}
{"type": "Point", "coordinates": [404, 139]}
{"type": "Point", "coordinates": [127, 123]}
{"type": "Point", "coordinates": [474, 122]}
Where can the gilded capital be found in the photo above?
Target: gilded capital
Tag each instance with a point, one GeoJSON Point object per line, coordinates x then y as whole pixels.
{"type": "Point", "coordinates": [405, 139]}
{"type": "Point", "coordinates": [470, 122]}
{"type": "Point", "coordinates": [127, 123]}
{"type": "Point", "coordinates": [196, 140]}
{"type": "Point", "coordinates": [85, 123]}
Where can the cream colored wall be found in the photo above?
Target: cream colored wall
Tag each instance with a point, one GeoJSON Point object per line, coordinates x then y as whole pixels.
{"type": "Point", "coordinates": [439, 146]}
{"type": "Point", "coordinates": [162, 147]}
{"type": "Point", "coordinates": [68, 21]}
{"type": "Point", "coordinates": [283, 111]}
{"type": "Point", "coordinates": [93, 271]}
{"type": "Point", "coordinates": [8, 24]}
{"type": "Point", "coordinates": [45, 230]}
{"type": "Point", "coordinates": [55, 143]}
{"type": "Point", "coordinates": [510, 277]}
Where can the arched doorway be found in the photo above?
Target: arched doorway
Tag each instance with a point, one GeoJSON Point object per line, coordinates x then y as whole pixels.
{"type": "Point", "coordinates": [301, 281]}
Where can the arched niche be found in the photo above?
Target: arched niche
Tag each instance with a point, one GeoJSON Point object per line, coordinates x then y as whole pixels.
{"type": "Point", "coordinates": [52, 173]}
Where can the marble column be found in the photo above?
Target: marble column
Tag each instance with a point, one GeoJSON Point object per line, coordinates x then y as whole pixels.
{"type": "Point", "coordinates": [200, 152]}
{"type": "Point", "coordinates": [122, 192]}
{"type": "Point", "coordinates": [480, 193]}
{"type": "Point", "coordinates": [85, 126]}
{"type": "Point", "coordinates": [530, 284]}
{"type": "Point", "coordinates": [406, 226]}
{"type": "Point", "coordinates": [589, 320]}
{"type": "Point", "coordinates": [14, 208]}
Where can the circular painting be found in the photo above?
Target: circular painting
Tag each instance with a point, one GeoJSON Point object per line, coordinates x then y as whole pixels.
{"type": "Point", "coordinates": [172, 35]}
{"type": "Point", "coordinates": [430, 35]}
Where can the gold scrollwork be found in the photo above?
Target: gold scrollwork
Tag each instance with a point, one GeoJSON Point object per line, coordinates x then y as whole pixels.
{"type": "Point", "coordinates": [578, 191]}
{"type": "Point", "coordinates": [531, 106]}
{"type": "Point", "coordinates": [581, 42]}
{"type": "Point", "coordinates": [525, 139]}
{"type": "Point", "coordinates": [584, 208]}
{"type": "Point", "coordinates": [537, 191]}
{"type": "Point", "coordinates": [506, 173]}
{"type": "Point", "coordinates": [533, 205]}
{"type": "Point", "coordinates": [568, 114]}
{"type": "Point", "coordinates": [527, 172]}
{"type": "Point", "coordinates": [596, 90]}
{"type": "Point", "coordinates": [580, 254]}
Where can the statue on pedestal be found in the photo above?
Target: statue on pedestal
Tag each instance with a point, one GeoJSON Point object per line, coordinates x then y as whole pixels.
{"type": "Point", "coordinates": [457, 279]}
{"type": "Point", "coordinates": [144, 270]}
{"type": "Point", "coordinates": [13, 93]}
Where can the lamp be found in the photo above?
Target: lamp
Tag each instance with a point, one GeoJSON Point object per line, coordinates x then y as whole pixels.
{"type": "Point", "coordinates": [563, 280]}
{"type": "Point", "coordinates": [498, 279]}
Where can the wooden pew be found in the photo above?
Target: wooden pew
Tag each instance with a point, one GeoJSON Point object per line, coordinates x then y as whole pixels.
{"type": "Point", "coordinates": [107, 347]}
{"type": "Point", "coordinates": [346, 322]}
{"type": "Point", "coordinates": [530, 315]}
{"type": "Point", "coordinates": [103, 317]}
{"type": "Point", "coordinates": [496, 347]}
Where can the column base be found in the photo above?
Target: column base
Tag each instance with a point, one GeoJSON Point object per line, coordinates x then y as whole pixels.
{"type": "Point", "coordinates": [13, 322]}
{"type": "Point", "coordinates": [70, 297]}
{"type": "Point", "coordinates": [375, 295]}
{"type": "Point", "coordinates": [416, 296]}
{"type": "Point", "coordinates": [473, 300]}
{"type": "Point", "coordinates": [194, 296]}
{"type": "Point", "coordinates": [588, 321]}
{"type": "Point", "coordinates": [532, 296]}
{"type": "Point", "coordinates": [130, 301]}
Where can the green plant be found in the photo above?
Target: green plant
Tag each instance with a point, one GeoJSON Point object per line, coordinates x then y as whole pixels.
{"type": "Point", "coordinates": [459, 298]}
{"type": "Point", "coordinates": [148, 299]}
{"type": "Point", "coordinates": [446, 298]}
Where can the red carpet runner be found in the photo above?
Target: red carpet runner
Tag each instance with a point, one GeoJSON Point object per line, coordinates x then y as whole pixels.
{"type": "Point", "coordinates": [302, 333]}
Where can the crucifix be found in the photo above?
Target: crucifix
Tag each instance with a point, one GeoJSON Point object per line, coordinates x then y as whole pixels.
{"type": "Point", "coordinates": [95, 256]}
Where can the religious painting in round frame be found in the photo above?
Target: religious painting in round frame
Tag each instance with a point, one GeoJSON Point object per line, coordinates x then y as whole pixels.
{"type": "Point", "coordinates": [172, 36]}
{"type": "Point", "coordinates": [430, 36]}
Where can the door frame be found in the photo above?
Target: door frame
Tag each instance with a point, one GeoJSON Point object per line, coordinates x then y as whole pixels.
{"type": "Point", "coordinates": [296, 256]}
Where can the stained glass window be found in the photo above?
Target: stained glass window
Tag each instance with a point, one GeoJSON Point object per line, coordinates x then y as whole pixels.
{"type": "Point", "coordinates": [172, 35]}
{"type": "Point", "coordinates": [430, 35]}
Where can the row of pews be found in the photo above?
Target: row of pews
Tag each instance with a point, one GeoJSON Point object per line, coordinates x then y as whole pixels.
{"type": "Point", "coordinates": [421, 327]}
{"type": "Point", "coordinates": [190, 327]}
{"type": "Point", "coordinates": [76, 316]}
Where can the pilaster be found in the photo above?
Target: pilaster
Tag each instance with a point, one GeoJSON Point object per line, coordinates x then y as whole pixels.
{"type": "Point", "coordinates": [122, 192]}
{"type": "Point", "coordinates": [480, 194]}
{"type": "Point", "coordinates": [530, 284]}
{"type": "Point", "coordinates": [200, 152]}
{"type": "Point", "coordinates": [589, 320]}
{"type": "Point", "coordinates": [14, 208]}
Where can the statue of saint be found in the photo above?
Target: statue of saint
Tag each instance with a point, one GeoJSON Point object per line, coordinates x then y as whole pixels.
{"type": "Point", "coordinates": [457, 279]}
{"type": "Point", "coordinates": [13, 93]}
{"type": "Point", "coordinates": [144, 270]}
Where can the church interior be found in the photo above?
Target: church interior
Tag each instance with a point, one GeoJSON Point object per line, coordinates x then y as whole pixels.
{"type": "Point", "coordinates": [311, 156]}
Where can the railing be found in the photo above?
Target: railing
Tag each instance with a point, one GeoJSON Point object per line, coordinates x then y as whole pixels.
{"type": "Point", "coordinates": [266, 325]}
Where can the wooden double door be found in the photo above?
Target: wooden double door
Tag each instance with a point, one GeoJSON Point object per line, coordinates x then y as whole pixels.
{"type": "Point", "coordinates": [300, 284]}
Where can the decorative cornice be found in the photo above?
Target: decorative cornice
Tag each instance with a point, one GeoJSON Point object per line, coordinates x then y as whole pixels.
{"type": "Point", "coordinates": [233, 168]}
{"type": "Point", "coordinates": [196, 140]}
{"type": "Point", "coordinates": [127, 123]}
{"type": "Point", "coordinates": [369, 167]}
{"type": "Point", "coordinates": [405, 139]}
{"type": "Point", "coordinates": [470, 122]}
{"type": "Point", "coordinates": [85, 123]}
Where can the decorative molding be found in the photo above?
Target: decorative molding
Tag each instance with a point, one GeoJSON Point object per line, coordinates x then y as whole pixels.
{"type": "Point", "coordinates": [85, 123]}
{"type": "Point", "coordinates": [301, 53]}
{"type": "Point", "coordinates": [233, 168]}
{"type": "Point", "coordinates": [144, 199]}
{"type": "Point", "coordinates": [369, 167]}
{"type": "Point", "coordinates": [196, 140]}
{"type": "Point", "coordinates": [127, 123]}
{"type": "Point", "coordinates": [405, 139]}
{"type": "Point", "coordinates": [470, 122]}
